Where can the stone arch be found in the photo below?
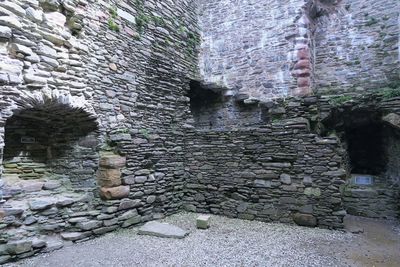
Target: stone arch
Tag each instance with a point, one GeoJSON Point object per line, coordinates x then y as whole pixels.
{"type": "Point", "coordinates": [49, 134]}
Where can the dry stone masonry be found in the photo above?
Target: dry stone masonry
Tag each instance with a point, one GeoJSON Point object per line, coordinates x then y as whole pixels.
{"type": "Point", "coordinates": [116, 113]}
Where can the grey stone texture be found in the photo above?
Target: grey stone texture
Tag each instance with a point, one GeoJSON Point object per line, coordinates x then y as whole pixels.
{"type": "Point", "coordinates": [97, 131]}
{"type": "Point", "coordinates": [159, 229]}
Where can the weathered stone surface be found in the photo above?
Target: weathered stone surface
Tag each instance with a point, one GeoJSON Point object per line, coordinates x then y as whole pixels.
{"type": "Point", "coordinates": [162, 230]}
{"type": "Point", "coordinates": [34, 14]}
{"type": "Point", "coordinates": [90, 225]}
{"type": "Point", "coordinates": [52, 245]}
{"type": "Point", "coordinates": [131, 221]}
{"type": "Point", "coordinates": [305, 220]}
{"type": "Point", "coordinates": [40, 204]}
{"type": "Point", "coordinates": [127, 215]}
{"type": "Point", "coordinates": [392, 119]}
{"type": "Point", "coordinates": [5, 32]}
{"type": "Point", "coordinates": [203, 221]}
{"type": "Point", "coordinates": [13, 7]}
{"type": "Point", "coordinates": [51, 185]}
{"type": "Point", "coordinates": [129, 204]}
{"type": "Point", "coordinates": [112, 161]}
{"type": "Point", "coordinates": [19, 247]}
{"type": "Point", "coordinates": [109, 177]}
{"type": "Point", "coordinates": [285, 178]}
{"type": "Point", "coordinates": [118, 192]}
{"type": "Point", "coordinates": [10, 22]}
{"type": "Point", "coordinates": [73, 236]}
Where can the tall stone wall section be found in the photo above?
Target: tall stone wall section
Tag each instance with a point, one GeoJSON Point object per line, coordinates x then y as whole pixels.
{"type": "Point", "coordinates": [123, 65]}
{"type": "Point", "coordinates": [252, 47]}
{"type": "Point", "coordinates": [357, 47]}
{"type": "Point", "coordinates": [279, 172]}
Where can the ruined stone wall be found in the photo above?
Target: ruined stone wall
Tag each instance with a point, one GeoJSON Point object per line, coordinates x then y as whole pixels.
{"type": "Point", "coordinates": [124, 66]}
{"type": "Point", "coordinates": [357, 47]}
{"type": "Point", "coordinates": [277, 172]}
{"type": "Point", "coordinates": [252, 47]}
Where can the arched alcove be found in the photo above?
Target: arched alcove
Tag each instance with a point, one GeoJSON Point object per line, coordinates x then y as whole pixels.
{"type": "Point", "coordinates": [371, 149]}
{"type": "Point", "coordinates": [50, 144]}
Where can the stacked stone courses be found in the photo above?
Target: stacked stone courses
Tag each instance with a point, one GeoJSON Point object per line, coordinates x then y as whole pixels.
{"type": "Point", "coordinates": [97, 130]}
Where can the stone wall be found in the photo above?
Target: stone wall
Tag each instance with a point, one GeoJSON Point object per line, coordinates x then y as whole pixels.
{"type": "Point", "coordinates": [271, 49]}
{"type": "Point", "coordinates": [124, 66]}
{"type": "Point", "coordinates": [358, 46]}
{"type": "Point", "coordinates": [279, 172]}
{"type": "Point", "coordinates": [251, 47]}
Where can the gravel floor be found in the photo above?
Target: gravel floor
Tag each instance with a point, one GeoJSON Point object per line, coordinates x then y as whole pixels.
{"type": "Point", "coordinates": [229, 242]}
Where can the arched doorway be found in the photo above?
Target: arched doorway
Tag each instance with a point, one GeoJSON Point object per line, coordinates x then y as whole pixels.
{"type": "Point", "coordinates": [50, 146]}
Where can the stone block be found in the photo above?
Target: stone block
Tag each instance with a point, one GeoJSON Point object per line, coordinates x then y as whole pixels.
{"type": "Point", "coordinates": [40, 204]}
{"type": "Point", "coordinates": [89, 225]}
{"type": "Point", "coordinates": [19, 247]}
{"type": "Point", "coordinates": [109, 177]}
{"type": "Point", "coordinates": [73, 236]}
{"type": "Point", "coordinates": [132, 221]}
{"type": "Point", "coordinates": [5, 32]}
{"type": "Point", "coordinates": [51, 185]}
{"type": "Point", "coordinates": [162, 230]}
{"type": "Point", "coordinates": [129, 204]}
{"type": "Point", "coordinates": [112, 161]}
{"type": "Point", "coordinates": [392, 119]}
{"type": "Point", "coordinates": [305, 219]}
{"type": "Point", "coordinates": [203, 221]}
{"type": "Point", "coordinates": [118, 192]}
{"type": "Point", "coordinates": [285, 178]}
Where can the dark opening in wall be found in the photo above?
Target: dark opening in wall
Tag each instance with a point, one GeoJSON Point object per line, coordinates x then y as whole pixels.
{"type": "Point", "coordinates": [50, 143]}
{"type": "Point", "coordinates": [202, 98]}
{"type": "Point", "coordinates": [363, 134]}
{"type": "Point", "coordinates": [214, 107]}
{"type": "Point", "coordinates": [366, 148]}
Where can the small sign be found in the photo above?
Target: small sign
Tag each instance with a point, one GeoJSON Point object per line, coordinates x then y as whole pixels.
{"type": "Point", "coordinates": [28, 140]}
{"type": "Point", "coordinates": [362, 179]}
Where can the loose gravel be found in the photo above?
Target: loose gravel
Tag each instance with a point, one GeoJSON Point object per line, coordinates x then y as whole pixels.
{"type": "Point", "coordinates": [229, 242]}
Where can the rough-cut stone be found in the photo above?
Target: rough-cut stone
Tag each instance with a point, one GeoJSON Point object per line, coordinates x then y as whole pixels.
{"type": "Point", "coordinates": [131, 221]}
{"type": "Point", "coordinates": [10, 22]}
{"type": "Point", "coordinates": [19, 247]}
{"type": "Point", "coordinates": [162, 230]}
{"type": "Point", "coordinates": [109, 177]}
{"type": "Point", "coordinates": [305, 219]}
{"type": "Point", "coordinates": [112, 161]}
{"type": "Point", "coordinates": [118, 192]}
{"type": "Point", "coordinates": [40, 204]}
{"type": "Point", "coordinates": [73, 236]}
{"type": "Point", "coordinates": [392, 119]}
{"type": "Point", "coordinates": [5, 32]}
{"type": "Point", "coordinates": [34, 14]}
{"type": "Point", "coordinates": [129, 204]}
{"type": "Point", "coordinates": [51, 185]}
{"type": "Point", "coordinates": [90, 225]}
{"type": "Point", "coordinates": [203, 221]}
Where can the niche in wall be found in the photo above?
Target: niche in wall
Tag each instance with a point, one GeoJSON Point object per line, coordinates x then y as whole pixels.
{"type": "Point", "coordinates": [372, 156]}
{"type": "Point", "coordinates": [50, 143]}
{"type": "Point", "coordinates": [216, 108]}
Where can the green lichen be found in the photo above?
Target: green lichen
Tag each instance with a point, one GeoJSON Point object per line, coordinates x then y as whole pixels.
{"type": "Point", "coordinates": [112, 25]}
{"type": "Point", "coordinates": [339, 100]}
{"type": "Point", "coordinates": [389, 93]}
{"type": "Point", "coordinates": [113, 12]}
{"type": "Point", "coordinates": [145, 133]}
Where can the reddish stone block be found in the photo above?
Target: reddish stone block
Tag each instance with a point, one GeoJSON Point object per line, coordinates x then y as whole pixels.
{"type": "Point", "coordinates": [302, 73]}
{"type": "Point", "coordinates": [303, 82]}
{"type": "Point", "coordinates": [118, 192]}
{"type": "Point", "coordinates": [109, 177]}
{"type": "Point", "coordinates": [303, 64]}
{"type": "Point", "coordinates": [303, 53]}
{"type": "Point", "coordinates": [112, 161]}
